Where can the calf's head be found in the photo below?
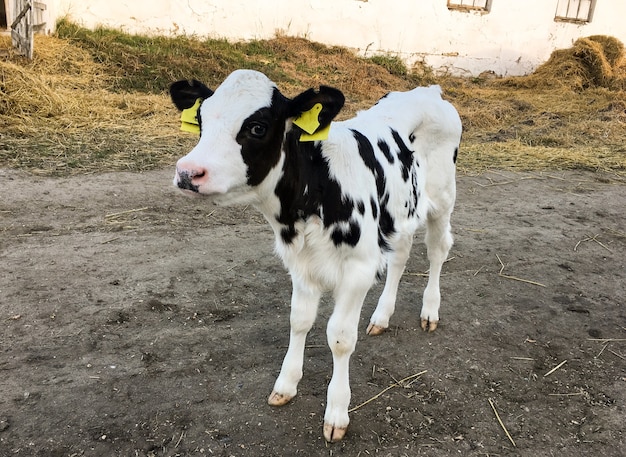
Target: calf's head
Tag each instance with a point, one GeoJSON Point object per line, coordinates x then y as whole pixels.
{"type": "Point", "coordinates": [243, 125]}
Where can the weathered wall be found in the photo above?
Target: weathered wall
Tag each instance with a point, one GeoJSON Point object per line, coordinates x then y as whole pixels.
{"type": "Point", "coordinates": [512, 39]}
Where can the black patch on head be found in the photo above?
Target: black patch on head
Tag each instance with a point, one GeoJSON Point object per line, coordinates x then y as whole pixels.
{"type": "Point", "coordinates": [456, 152]}
{"type": "Point", "coordinates": [405, 155]}
{"type": "Point", "coordinates": [384, 147]}
{"type": "Point", "coordinates": [331, 99]}
{"type": "Point", "coordinates": [262, 152]}
{"type": "Point", "coordinates": [184, 93]}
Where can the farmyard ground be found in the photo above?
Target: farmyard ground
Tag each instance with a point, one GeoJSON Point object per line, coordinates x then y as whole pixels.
{"type": "Point", "coordinates": [136, 321]}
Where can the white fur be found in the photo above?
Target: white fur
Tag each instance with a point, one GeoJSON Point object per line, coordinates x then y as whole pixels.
{"type": "Point", "coordinates": [316, 265]}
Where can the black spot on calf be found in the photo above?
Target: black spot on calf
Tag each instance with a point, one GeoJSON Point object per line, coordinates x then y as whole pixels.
{"type": "Point", "coordinates": [405, 155]}
{"type": "Point", "coordinates": [366, 151]}
{"type": "Point", "coordinates": [384, 147]}
{"type": "Point", "coordinates": [349, 236]}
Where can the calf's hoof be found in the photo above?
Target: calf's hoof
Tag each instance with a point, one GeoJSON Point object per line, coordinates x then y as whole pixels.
{"type": "Point", "coordinates": [333, 434]}
{"type": "Point", "coordinates": [428, 325]}
{"type": "Point", "coordinates": [375, 330]}
{"type": "Point", "coordinates": [276, 399]}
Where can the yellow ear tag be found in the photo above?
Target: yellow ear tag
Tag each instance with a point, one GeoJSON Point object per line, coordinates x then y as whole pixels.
{"type": "Point", "coordinates": [321, 134]}
{"type": "Point", "coordinates": [309, 122]}
{"type": "Point", "coordinates": [189, 118]}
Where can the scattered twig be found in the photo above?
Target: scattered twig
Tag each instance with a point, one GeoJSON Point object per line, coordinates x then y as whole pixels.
{"type": "Point", "coordinates": [515, 278]}
{"type": "Point", "coordinates": [110, 240]}
{"type": "Point", "coordinates": [591, 238]}
{"type": "Point", "coordinates": [424, 275]}
{"type": "Point", "coordinates": [553, 177]}
{"type": "Point", "coordinates": [573, 394]}
{"type": "Point", "coordinates": [395, 384]}
{"type": "Point", "coordinates": [492, 184]}
{"type": "Point", "coordinates": [555, 368]}
{"type": "Point", "coordinates": [508, 435]}
{"type": "Point", "coordinates": [615, 232]}
{"type": "Point", "coordinates": [606, 345]}
{"type": "Point", "coordinates": [617, 355]}
{"type": "Point", "coordinates": [427, 272]}
{"type": "Point", "coordinates": [121, 213]}
{"type": "Point", "coordinates": [527, 359]}
{"type": "Point", "coordinates": [606, 340]}
{"type": "Point", "coordinates": [308, 346]}
{"type": "Point", "coordinates": [182, 434]}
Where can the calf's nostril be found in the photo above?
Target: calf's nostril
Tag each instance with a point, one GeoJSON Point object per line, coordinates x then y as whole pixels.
{"type": "Point", "coordinates": [185, 181]}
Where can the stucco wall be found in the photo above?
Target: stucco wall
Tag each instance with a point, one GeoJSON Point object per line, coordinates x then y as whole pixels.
{"type": "Point", "coordinates": [512, 39]}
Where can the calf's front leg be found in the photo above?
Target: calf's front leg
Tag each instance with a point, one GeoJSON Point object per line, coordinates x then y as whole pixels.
{"type": "Point", "coordinates": [304, 303]}
{"type": "Point", "coordinates": [342, 332]}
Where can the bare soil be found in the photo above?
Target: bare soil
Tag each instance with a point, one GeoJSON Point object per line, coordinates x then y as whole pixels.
{"type": "Point", "coordinates": [138, 322]}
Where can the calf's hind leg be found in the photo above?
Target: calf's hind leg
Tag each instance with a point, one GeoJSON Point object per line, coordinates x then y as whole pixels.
{"type": "Point", "coordinates": [396, 261]}
{"type": "Point", "coordinates": [438, 241]}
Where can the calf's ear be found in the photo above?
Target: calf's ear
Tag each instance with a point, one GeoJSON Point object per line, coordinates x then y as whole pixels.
{"type": "Point", "coordinates": [184, 93]}
{"type": "Point", "coordinates": [330, 99]}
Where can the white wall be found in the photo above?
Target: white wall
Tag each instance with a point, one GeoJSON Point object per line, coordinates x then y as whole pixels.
{"type": "Point", "coordinates": [512, 39]}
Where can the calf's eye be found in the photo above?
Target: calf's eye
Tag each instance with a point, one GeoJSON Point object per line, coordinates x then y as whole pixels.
{"type": "Point", "coordinates": [257, 130]}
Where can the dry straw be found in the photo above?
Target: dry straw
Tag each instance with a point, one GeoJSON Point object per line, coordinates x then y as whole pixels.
{"type": "Point", "coordinates": [61, 112]}
{"type": "Point", "coordinates": [595, 61]}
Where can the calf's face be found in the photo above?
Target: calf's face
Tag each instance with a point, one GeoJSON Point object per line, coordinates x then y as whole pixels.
{"type": "Point", "coordinates": [242, 129]}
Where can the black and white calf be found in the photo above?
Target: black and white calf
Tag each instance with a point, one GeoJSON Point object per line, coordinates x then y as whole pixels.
{"type": "Point", "coordinates": [342, 208]}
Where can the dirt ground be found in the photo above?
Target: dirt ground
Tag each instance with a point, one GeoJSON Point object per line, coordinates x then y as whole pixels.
{"type": "Point", "coordinates": [138, 322]}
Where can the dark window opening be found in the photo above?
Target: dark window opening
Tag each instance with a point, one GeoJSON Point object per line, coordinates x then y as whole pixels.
{"type": "Point", "coordinates": [469, 5]}
{"type": "Point", "coordinates": [579, 11]}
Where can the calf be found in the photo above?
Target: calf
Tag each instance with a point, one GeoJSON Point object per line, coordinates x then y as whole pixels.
{"type": "Point", "coordinates": [344, 200]}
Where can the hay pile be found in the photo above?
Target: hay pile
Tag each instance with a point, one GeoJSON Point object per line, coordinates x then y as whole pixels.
{"type": "Point", "coordinates": [59, 116]}
{"type": "Point", "coordinates": [73, 107]}
{"type": "Point", "coordinates": [77, 109]}
{"type": "Point", "coordinates": [63, 84]}
{"type": "Point", "coordinates": [595, 61]}
{"type": "Point", "coordinates": [303, 63]}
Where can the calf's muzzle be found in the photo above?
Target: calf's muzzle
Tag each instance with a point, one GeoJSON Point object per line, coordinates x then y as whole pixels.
{"type": "Point", "coordinates": [190, 179]}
